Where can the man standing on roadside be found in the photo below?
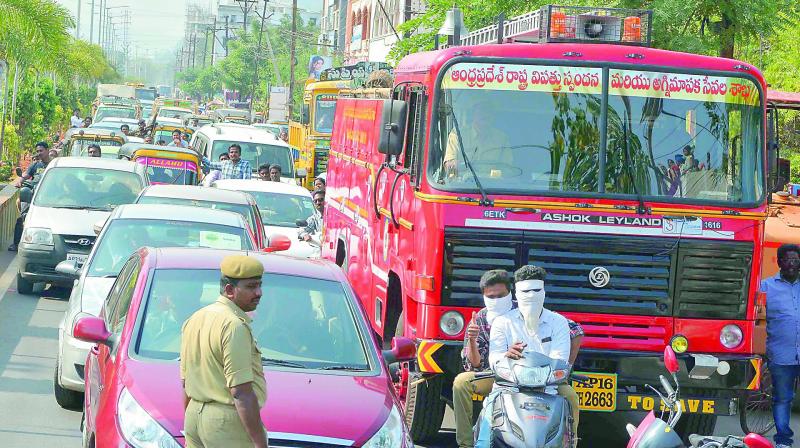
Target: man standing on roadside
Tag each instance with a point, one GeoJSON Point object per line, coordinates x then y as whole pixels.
{"type": "Point", "coordinates": [75, 120]}
{"type": "Point", "coordinates": [783, 338]}
{"type": "Point", "coordinates": [220, 364]}
{"type": "Point", "coordinates": [233, 168]}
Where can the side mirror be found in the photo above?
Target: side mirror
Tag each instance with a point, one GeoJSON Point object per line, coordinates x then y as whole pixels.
{"type": "Point", "coordinates": [301, 223]}
{"type": "Point", "coordinates": [392, 127]}
{"type": "Point", "coordinates": [753, 440]}
{"type": "Point", "coordinates": [305, 116]}
{"type": "Point", "coordinates": [69, 267]}
{"type": "Point", "coordinates": [278, 243]}
{"type": "Point", "coordinates": [98, 226]}
{"type": "Point", "coordinates": [403, 350]}
{"type": "Point", "coordinates": [92, 329]}
{"type": "Point", "coordinates": [18, 171]}
{"type": "Point", "coordinates": [670, 360]}
{"type": "Point", "coordinates": [301, 172]}
{"type": "Point", "coordinates": [784, 171]}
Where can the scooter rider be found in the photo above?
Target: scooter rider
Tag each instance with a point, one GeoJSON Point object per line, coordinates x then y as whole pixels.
{"type": "Point", "coordinates": [531, 327]}
{"type": "Point", "coordinates": [496, 289]}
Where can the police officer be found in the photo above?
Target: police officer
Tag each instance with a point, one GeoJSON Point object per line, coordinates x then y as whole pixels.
{"type": "Point", "coordinates": [223, 378]}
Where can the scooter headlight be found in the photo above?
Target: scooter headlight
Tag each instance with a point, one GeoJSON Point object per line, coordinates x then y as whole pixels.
{"type": "Point", "coordinates": [531, 376]}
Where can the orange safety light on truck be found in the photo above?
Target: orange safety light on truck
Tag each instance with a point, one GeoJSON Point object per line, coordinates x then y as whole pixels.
{"type": "Point", "coordinates": [523, 146]}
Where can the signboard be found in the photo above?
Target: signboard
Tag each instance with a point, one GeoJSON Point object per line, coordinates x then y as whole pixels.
{"type": "Point", "coordinates": [358, 73]}
{"type": "Point", "coordinates": [278, 97]}
{"type": "Point", "coordinates": [530, 78]}
{"type": "Point", "coordinates": [679, 86]}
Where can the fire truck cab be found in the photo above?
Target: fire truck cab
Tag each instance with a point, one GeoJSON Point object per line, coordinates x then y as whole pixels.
{"type": "Point", "coordinates": [635, 176]}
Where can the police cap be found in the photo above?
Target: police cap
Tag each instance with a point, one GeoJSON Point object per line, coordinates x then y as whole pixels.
{"type": "Point", "coordinates": [241, 266]}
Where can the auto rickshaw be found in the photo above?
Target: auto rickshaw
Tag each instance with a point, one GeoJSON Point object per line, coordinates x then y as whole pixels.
{"type": "Point", "coordinates": [165, 165]}
{"type": "Point", "coordinates": [163, 131]}
{"type": "Point", "coordinates": [79, 139]}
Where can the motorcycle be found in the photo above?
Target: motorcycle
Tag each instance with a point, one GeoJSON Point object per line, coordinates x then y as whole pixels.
{"type": "Point", "coordinates": [523, 410]}
{"type": "Point", "coordinates": [655, 432]}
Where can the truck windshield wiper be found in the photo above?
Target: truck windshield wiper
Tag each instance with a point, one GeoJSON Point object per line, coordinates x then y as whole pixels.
{"type": "Point", "coordinates": [282, 362]}
{"type": "Point", "coordinates": [347, 367]}
{"type": "Point", "coordinates": [642, 208]}
{"type": "Point", "coordinates": [485, 201]}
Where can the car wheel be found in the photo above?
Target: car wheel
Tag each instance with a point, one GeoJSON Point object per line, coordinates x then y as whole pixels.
{"type": "Point", "coordinates": [24, 286]}
{"type": "Point", "coordinates": [67, 399]}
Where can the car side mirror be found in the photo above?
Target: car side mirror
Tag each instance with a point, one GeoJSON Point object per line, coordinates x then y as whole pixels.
{"type": "Point", "coordinates": [301, 173]}
{"type": "Point", "coordinates": [670, 360]}
{"type": "Point", "coordinates": [301, 223]}
{"type": "Point", "coordinates": [69, 267]}
{"type": "Point", "coordinates": [278, 243]}
{"type": "Point", "coordinates": [92, 329]}
{"type": "Point", "coordinates": [18, 171]}
{"type": "Point", "coordinates": [403, 350]}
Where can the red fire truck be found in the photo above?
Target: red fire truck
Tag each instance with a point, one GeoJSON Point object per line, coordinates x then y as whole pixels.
{"type": "Point", "coordinates": [636, 177]}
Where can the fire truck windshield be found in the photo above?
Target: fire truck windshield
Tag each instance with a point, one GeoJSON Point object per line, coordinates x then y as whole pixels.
{"type": "Point", "coordinates": [540, 129]}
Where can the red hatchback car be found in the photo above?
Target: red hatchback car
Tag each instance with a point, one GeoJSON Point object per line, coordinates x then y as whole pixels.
{"type": "Point", "coordinates": [327, 379]}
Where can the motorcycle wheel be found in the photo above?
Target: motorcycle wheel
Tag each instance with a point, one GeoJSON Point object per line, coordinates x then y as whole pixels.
{"type": "Point", "coordinates": [755, 407]}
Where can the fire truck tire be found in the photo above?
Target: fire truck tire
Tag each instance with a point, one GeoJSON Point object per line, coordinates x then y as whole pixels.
{"type": "Point", "coordinates": [424, 408]}
{"type": "Point", "coordinates": [696, 424]}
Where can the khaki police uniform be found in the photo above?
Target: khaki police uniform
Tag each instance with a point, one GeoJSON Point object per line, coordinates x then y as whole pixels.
{"type": "Point", "coordinates": [218, 352]}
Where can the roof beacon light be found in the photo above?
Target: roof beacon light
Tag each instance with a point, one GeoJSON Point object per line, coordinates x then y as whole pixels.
{"type": "Point", "coordinates": [574, 24]}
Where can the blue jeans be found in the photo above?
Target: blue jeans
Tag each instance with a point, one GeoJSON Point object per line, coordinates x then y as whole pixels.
{"type": "Point", "coordinates": [783, 378]}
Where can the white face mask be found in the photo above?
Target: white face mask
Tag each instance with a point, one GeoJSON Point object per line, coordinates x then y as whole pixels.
{"type": "Point", "coordinates": [530, 299]}
{"type": "Point", "coordinates": [497, 307]}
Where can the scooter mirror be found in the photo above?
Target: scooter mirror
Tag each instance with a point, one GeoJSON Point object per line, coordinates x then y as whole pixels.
{"type": "Point", "coordinates": [670, 360]}
{"type": "Point", "coordinates": [756, 441]}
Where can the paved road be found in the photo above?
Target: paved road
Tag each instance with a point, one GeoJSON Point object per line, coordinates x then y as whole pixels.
{"type": "Point", "coordinates": [29, 415]}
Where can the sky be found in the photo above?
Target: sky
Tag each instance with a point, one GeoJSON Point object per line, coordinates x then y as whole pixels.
{"type": "Point", "coordinates": [157, 26]}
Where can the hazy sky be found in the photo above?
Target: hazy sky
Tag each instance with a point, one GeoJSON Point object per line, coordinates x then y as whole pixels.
{"type": "Point", "coordinates": [156, 25]}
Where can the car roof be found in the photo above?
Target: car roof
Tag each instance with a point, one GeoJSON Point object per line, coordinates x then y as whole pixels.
{"type": "Point", "coordinates": [172, 108]}
{"type": "Point", "coordinates": [240, 133]}
{"type": "Point", "coordinates": [118, 119]}
{"type": "Point", "coordinates": [203, 258]}
{"type": "Point", "coordinates": [261, 186]}
{"type": "Point", "coordinates": [96, 162]}
{"type": "Point", "coordinates": [187, 213]}
{"type": "Point", "coordinates": [197, 193]}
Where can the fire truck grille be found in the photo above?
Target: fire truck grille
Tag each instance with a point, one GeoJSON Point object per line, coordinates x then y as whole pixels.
{"type": "Point", "coordinates": [606, 274]}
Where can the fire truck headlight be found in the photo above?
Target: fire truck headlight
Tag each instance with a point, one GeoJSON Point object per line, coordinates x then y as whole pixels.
{"type": "Point", "coordinates": [731, 336]}
{"type": "Point", "coordinates": [452, 323]}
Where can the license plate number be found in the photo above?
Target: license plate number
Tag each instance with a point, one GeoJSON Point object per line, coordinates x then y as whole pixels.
{"type": "Point", "coordinates": [599, 393]}
{"type": "Point", "coordinates": [79, 258]}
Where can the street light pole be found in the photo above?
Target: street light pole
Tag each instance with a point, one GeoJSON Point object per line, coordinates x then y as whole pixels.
{"type": "Point", "coordinates": [91, 24]}
{"type": "Point", "coordinates": [292, 62]}
{"type": "Point", "coordinates": [6, 72]}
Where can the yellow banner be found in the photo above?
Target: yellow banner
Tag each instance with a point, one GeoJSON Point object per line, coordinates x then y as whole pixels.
{"type": "Point", "coordinates": [532, 78]}
{"type": "Point", "coordinates": [678, 86]}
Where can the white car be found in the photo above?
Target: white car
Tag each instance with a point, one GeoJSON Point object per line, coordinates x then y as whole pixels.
{"type": "Point", "coordinates": [127, 229]}
{"type": "Point", "coordinates": [73, 194]}
{"type": "Point", "coordinates": [281, 205]}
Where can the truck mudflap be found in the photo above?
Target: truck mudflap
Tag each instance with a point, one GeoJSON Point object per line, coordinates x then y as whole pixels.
{"type": "Point", "coordinates": [689, 405]}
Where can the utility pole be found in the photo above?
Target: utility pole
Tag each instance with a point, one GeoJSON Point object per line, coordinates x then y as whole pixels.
{"type": "Point", "coordinates": [292, 62]}
{"type": "Point", "coordinates": [214, 40]}
{"type": "Point", "coordinates": [100, 23]}
{"type": "Point", "coordinates": [91, 24]}
{"type": "Point", "coordinates": [78, 22]}
{"type": "Point", "coordinates": [245, 5]}
{"type": "Point", "coordinates": [227, 30]}
{"type": "Point", "coordinates": [258, 55]}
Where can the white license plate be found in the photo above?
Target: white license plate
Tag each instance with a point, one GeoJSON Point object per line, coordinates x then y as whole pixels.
{"type": "Point", "coordinates": [80, 258]}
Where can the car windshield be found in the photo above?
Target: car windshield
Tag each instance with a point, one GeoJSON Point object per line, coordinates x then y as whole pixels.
{"type": "Point", "coordinates": [324, 109]}
{"type": "Point", "coordinates": [176, 114]}
{"type": "Point", "coordinates": [108, 148]}
{"type": "Point", "coordinates": [81, 187]}
{"type": "Point", "coordinates": [541, 129]}
{"type": "Point", "coordinates": [301, 320]}
{"type": "Point", "coordinates": [115, 126]}
{"type": "Point", "coordinates": [258, 154]}
{"type": "Point", "coordinates": [124, 236]}
{"type": "Point", "coordinates": [146, 94]}
{"type": "Point", "coordinates": [167, 171]}
{"type": "Point", "coordinates": [242, 209]}
{"type": "Point", "coordinates": [121, 112]}
{"type": "Point", "coordinates": [282, 209]}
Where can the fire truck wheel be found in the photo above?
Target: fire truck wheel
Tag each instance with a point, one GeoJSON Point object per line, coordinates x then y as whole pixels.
{"type": "Point", "coordinates": [696, 424]}
{"type": "Point", "coordinates": [424, 408]}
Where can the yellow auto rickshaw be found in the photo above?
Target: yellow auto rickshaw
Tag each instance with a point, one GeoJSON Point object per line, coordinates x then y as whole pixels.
{"type": "Point", "coordinates": [163, 131]}
{"type": "Point", "coordinates": [165, 164]}
{"type": "Point", "coordinates": [79, 139]}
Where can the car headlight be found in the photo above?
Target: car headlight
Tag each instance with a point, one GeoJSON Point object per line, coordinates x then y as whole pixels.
{"type": "Point", "coordinates": [37, 235]}
{"type": "Point", "coordinates": [731, 336]}
{"type": "Point", "coordinates": [392, 434]}
{"type": "Point", "coordinates": [452, 322]}
{"type": "Point", "coordinates": [139, 428]}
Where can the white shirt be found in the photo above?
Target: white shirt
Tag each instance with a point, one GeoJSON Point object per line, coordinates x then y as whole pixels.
{"type": "Point", "coordinates": [76, 122]}
{"type": "Point", "coordinates": [551, 338]}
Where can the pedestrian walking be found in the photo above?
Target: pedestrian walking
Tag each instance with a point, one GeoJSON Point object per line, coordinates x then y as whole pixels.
{"type": "Point", "coordinates": [220, 364]}
{"type": "Point", "coordinates": [783, 338]}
